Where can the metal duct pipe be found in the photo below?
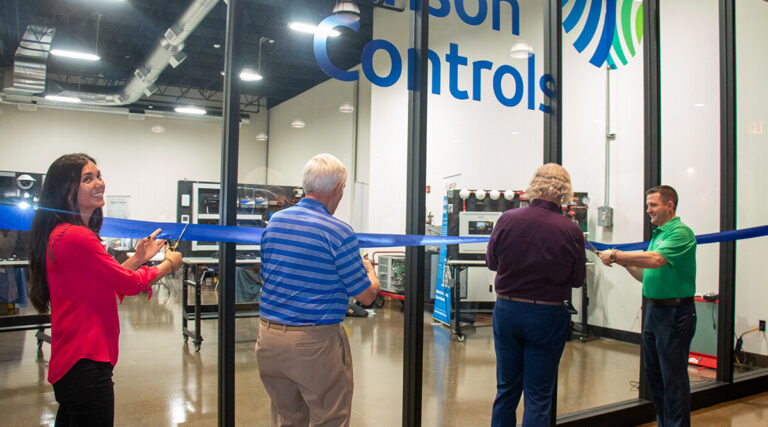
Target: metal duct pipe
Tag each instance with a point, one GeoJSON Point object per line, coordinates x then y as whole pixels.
{"type": "Point", "coordinates": [169, 51]}
{"type": "Point", "coordinates": [30, 61]}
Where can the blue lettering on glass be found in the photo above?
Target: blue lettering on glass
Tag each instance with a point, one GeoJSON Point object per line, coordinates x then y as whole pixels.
{"type": "Point", "coordinates": [454, 60]}
{"type": "Point", "coordinates": [321, 50]}
{"type": "Point", "coordinates": [544, 82]}
{"type": "Point", "coordinates": [437, 12]}
{"type": "Point", "coordinates": [394, 56]}
{"type": "Point", "coordinates": [482, 12]}
{"type": "Point", "coordinates": [515, 15]}
{"type": "Point", "coordinates": [500, 72]}
{"type": "Point", "coordinates": [477, 66]}
{"type": "Point", "coordinates": [531, 81]}
{"type": "Point", "coordinates": [434, 62]}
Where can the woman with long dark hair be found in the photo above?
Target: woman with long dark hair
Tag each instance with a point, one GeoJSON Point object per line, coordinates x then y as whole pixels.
{"type": "Point", "coordinates": [72, 275]}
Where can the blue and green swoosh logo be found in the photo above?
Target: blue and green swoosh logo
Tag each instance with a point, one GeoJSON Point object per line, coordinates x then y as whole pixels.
{"type": "Point", "coordinates": [621, 33]}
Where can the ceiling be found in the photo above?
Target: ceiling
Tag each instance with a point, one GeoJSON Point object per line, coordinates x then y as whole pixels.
{"type": "Point", "coordinates": [125, 33]}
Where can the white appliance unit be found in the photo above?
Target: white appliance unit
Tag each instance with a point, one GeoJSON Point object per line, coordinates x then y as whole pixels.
{"type": "Point", "coordinates": [477, 284]}
{"type": "Point", "coordinates": [391, 272]}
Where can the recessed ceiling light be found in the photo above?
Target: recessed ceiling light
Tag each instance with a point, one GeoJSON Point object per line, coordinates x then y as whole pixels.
{"type": "Point", "coordinates": [189, 110]}
{"type": "Point", "coordinates": [262, 137]}
{"type": "Point", "coordinates": [75, 55]}
{"type": "Point", "coordinates": [309, 28]}
{"type": "Point", "coordinates": [699, 105]}
{"type": "Point", "coordinates": [158, 129]}
{"type": "Point", "coordinates": [216, 45]}
{"type": "Point", "coordinates": [298, 123]}
{"type": "Point", "coordinates": [58, 98]}
{"type": "Point", "coordinates": [346, 108]}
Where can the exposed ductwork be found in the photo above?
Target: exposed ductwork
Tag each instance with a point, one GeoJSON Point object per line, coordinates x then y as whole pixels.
{"type": "Point", "coordinates": [30, 61]}
{"type": "Point", "coordinates": [169, 51]}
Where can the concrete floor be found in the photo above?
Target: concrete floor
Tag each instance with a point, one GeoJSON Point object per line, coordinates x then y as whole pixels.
{"type": "Point", "coordinates": [161, 381]}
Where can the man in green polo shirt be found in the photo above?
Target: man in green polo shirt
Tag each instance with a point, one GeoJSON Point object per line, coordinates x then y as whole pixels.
{"type": "Point", "coordinates": [668, 272]}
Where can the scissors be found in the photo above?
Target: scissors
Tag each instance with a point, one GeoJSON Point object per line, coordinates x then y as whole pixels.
{"type": "Point", "coordinates": [180, 236]}
{"type": "Point", "coordinates": [594, 249]}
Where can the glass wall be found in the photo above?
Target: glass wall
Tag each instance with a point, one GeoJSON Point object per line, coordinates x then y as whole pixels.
{"type": "Point", "coordinates": [136, 85]}
{"type": "Point", "coordinates": [484, 141]}
{"type": "Point", "coordinates": [690, 150]}
{"type": "Point", "coordinates": [603, 151]}
{"type": "Point", "coordinates": [752, 116]}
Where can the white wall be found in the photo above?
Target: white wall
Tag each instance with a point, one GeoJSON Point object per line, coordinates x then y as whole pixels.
{"type": "Point", "coordinates": [490, 145]}
{"type": "Point", "coordinates": [752, 152]}
{"type": "Point", "coordinates": [615, 297]}
{"type": "Point", "coordinates": [134, 161]}
{"type": "Point", "coordinates": [327, 131]}
{"type": "Point", "coordinates": [690, 122]}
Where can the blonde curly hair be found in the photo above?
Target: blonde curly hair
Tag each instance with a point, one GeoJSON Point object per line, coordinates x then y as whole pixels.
{"type": "Point", "coordinates": [551, 180]}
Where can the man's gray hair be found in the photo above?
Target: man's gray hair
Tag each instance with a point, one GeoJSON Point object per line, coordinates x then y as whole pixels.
{"type": "Point", "coordinates": [323, 173]}
{"type": "Point", "coordinates": [551, 180]}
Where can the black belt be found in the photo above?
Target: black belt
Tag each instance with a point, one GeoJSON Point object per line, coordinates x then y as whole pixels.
{"type": "Point", "coordinates": [670, 302]}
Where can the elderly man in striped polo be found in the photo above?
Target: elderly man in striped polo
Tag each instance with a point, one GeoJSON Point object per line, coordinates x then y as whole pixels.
{"type": "Point", "coordinates": [311, 265]}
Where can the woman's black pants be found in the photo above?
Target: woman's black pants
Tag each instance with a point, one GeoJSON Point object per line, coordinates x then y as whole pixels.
{"type": "Point", "coordinates": [86, 395]}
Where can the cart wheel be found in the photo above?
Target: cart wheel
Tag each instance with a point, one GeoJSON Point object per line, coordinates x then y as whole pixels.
{"type": "Point", "coordinates": [461, 337]}
{"type": "Point", "coordinates": [197, 346]}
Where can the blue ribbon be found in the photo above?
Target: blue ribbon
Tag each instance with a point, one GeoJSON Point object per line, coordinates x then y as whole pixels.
{"type": "Point", "coordinates": [16, 218]}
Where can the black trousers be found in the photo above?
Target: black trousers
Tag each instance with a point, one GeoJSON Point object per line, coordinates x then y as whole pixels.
{"type": "Point", "coordinates": [667, 336]}
{"type": "Point", "coordinates": [86, 395]}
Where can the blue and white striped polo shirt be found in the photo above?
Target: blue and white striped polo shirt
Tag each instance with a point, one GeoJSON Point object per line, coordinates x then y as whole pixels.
{"type": "Point", "coordinates": [311, 265]}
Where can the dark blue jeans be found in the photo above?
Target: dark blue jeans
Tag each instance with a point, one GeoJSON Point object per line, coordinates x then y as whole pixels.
{"type": "Point", "coordinates": [529, 340]}
{"type": "Point", "coordinates": [86, 395]}
{"type": "Point", "coordinates": [667, 335]}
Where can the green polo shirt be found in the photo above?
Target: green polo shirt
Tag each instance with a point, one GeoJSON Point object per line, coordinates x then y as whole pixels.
{"type": "Point", "coordinates": [676, 242]}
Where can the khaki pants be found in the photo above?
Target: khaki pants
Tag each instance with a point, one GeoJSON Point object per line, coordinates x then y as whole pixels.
{"type": "Point", "coordinates": [308, 374]}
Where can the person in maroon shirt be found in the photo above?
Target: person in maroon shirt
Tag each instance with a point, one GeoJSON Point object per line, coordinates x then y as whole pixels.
{"type": "Point", "coordinates": [538, 256]}
{"type": "Point", "coordinates": [72, 275]}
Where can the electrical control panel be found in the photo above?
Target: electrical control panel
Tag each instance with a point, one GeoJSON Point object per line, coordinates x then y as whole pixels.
{"type": "Point", "coordinates": [474, 224]}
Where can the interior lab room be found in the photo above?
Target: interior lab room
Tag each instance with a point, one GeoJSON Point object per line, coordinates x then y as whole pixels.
{"type": "Point", "coordinates": [203, 113]}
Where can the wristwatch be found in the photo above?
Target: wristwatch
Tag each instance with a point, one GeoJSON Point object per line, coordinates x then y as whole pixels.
{"type": "Point", "coordinates": [613, 256]}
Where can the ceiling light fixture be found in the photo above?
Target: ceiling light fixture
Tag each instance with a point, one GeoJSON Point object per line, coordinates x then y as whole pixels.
{"type": "Point", "coordinates": [248, 74]}
{"type": "Point", "coordinates": [75, 54]}
{"type": "Point", "coordinates": [309, 28]}
{"type": "Point", "coordinates": [261, 136]}
{"type": "Point", "coordinates": [188, 109]}
{"type": "Point", "coordinates": [347, 8]}
{"type": "Point", "coordinates": [157, 129]}
{"type": "Point", "coordinates": [58, 98]}
{"type": "Point", "coordinates": [520, 49]}
{"type": "Point", "coordinates": [298, 123]}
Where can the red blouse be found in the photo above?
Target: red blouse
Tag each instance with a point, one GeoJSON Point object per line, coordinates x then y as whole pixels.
{"type": "Point", "coordinates": [84, 282]}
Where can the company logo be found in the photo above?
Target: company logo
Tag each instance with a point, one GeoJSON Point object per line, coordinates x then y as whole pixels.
{"type": "Point", "coordinates": [621, 34]}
